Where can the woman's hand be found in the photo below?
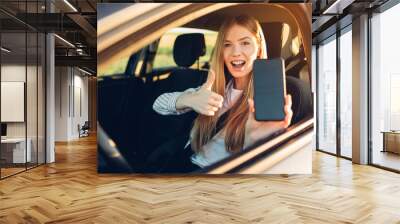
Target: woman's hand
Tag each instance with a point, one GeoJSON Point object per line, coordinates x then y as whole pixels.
{"type": "Point", "coordinates": [260, 129]}
{"type": "Point", "coordinates": [203, 101]}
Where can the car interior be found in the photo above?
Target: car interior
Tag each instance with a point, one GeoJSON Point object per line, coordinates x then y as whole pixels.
{"type": "Point", "coordinates": [125, 100]}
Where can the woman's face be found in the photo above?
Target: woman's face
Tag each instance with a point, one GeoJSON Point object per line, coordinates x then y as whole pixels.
{"type": "Point", "coordinates": [240, 51]}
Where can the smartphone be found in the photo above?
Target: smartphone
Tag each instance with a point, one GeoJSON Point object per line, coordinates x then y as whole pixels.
{"type": "Point", "coordinates": [269, 89]}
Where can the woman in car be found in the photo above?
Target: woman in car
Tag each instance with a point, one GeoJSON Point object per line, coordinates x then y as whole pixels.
{"type": "Point", "coordinates": [226, 123]}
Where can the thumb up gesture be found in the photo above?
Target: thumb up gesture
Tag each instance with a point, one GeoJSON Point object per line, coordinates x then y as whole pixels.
{"type": "Point", "coordinates": [210, 81]}
{"type": "Point", "coordinates": [204, 101]}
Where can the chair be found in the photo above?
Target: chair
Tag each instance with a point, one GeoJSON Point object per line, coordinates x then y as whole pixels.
{"type": "Point", "coordinates": [84, 129]}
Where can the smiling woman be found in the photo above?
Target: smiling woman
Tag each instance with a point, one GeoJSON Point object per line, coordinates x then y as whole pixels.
{"type": "Point", "coordinates": [196, 66]}
{"type": "Point", "coordinates": [226, 123]}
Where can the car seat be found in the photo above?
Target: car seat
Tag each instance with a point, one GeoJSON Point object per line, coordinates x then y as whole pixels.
{"type": "Point", "coordinates": [160, 128]}
{"type": "Point", "coordinates": [187, 49]}
{"type": "Point", "coordinates": [302, 99]}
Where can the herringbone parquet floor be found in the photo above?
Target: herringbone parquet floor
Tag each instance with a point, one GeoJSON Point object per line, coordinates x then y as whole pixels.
{"type": "Point", "coordinates": [70, 191]}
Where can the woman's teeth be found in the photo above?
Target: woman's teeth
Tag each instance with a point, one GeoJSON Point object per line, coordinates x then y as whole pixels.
{"type": "Point", "coordinates": [238, 63]}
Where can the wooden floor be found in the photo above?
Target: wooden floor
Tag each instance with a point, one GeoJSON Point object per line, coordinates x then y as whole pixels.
{"type": "Point", "coordinates": [10, 171]}
{"type": "Point", "coordinates": [70, 191]}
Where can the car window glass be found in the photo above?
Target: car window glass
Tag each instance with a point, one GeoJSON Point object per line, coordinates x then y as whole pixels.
{"type": "Point", "coordinates": [164, 56]}
{"type": "Point", "coordinates": [117, 67]}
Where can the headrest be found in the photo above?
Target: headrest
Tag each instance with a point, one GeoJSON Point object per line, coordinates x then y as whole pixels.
{"type": "Point", "coordinates": [188, 48]}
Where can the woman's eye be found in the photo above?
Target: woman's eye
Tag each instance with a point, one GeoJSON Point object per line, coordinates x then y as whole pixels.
{"type": "Point", "coordinates": [245, 43]}
{"type": "Point", "coordinates": [227, 44]}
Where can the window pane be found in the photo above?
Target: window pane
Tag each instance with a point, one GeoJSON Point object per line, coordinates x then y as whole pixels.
{"type": "Point", "coordinates": [13, 85]}
{"type": "Point", "coordinates": [345, 94]}
{"type": "Point", "coordinates": [116, 68]}
{"type": "Point", "coordinates": [327, 96]}
{"type": "Point", "coordinates": [31, 97]}
{"type": "Point", "coordinates": [385, 88]}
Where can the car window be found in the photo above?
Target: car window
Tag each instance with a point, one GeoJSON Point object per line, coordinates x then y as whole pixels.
{"type": "Point", "coordinates": [164, 57]}
{"type": "Point", "coordinates": [117, 67]}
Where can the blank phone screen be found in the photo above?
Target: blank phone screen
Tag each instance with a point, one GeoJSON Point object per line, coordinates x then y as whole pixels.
{"type": "Point", "coordinates": [269, 89]}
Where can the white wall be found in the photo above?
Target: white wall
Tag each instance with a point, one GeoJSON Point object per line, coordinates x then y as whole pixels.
{"type": "Point", "coordinates": [71, 93]}
{"type": "Point", "coordinates": [61, 103]}
{"type": "Point", "coordinates": [80, 109]}
{"type": "Point", "coordinates": [13, 72]}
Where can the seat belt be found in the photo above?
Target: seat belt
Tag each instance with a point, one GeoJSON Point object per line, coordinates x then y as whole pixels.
{"type": "Point", "coordinates": [221, 122]}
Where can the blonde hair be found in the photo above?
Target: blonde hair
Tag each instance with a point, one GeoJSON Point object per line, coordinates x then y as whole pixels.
{"type": "Point", "coordinates": [234, 126]}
